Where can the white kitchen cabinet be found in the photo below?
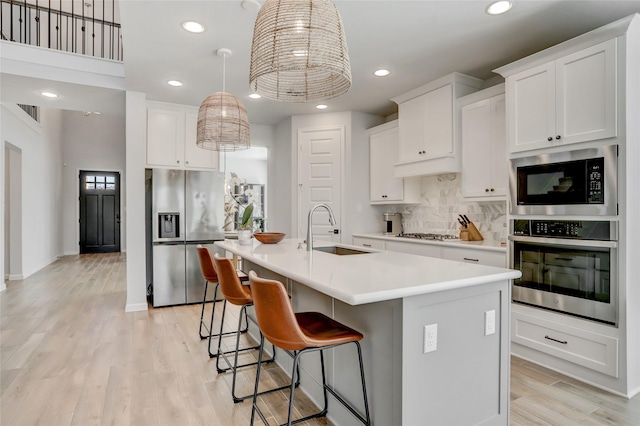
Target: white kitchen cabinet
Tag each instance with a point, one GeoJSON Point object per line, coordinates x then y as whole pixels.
{"type": "Point", "coordinates": [383, 154]}
{"type": "Point", "coordinates": [369, 243]}
{"type": "Point", "coordinates": [428, 119]}
{"type": "Point", "coordinates": [411, 248]}
{"type": "Point", "coordinates": [569, 100]}
{"type": "Point", "coordinates": [480, 257]}
{"type": "Point", "coordinates": [484, 149]}
{"type": "Point", "coordinates": [580, 346]}
{"type": "Point", "coordinates": [171, 138]}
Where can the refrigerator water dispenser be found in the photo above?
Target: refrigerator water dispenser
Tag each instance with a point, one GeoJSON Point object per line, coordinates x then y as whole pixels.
{"type": "Point", "coordinates": [168, 225]}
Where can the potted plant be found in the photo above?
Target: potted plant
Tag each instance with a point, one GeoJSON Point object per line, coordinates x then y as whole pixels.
{"type": "Point", "coordinates": [245, 226]}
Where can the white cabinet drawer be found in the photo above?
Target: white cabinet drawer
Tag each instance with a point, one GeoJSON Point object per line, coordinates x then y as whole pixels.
{"type": "Point", "coordinates": [368, 243]}
{"type": "Point", "coordinates": [419, 249]}
{"type": "Point", "coordinates": [588, 349]}
{"type": "Point", "coordinates": [481, 257]}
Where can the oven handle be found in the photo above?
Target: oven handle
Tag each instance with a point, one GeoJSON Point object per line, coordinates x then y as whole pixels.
{"type": "Point", "coordinates": [564, 242]}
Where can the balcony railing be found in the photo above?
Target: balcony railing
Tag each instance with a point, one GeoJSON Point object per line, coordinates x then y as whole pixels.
{"type": "Point", "coordinates": [39, 23]}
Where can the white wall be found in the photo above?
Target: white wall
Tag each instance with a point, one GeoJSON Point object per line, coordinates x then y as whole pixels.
{"type": "Point", "coordinates": [362, 216]}
{"type": "Point", "coordinates": [280, 180]}
{"type": "Point", "coordinates": [13, 213]}
{"type": "Point", "coordinates": [92, 142]}
{"type": "Point", "coordinates": [136, 152]}
{"type": "Point", "coordinates": [41, 152]}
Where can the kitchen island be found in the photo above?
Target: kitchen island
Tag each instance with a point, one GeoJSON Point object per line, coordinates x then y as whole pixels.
{"type": "Point", "coordinates": [458, 375]}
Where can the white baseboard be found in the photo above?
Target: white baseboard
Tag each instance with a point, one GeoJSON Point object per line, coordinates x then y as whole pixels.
{"type": "Point", "coordinates": [71, 253]}
{"type": "Point", "coordinates": [3, 286]}
{"type": "Point", "coordinates": [136, 307]}
{"type": "Point", "coordinates": [14, 277]}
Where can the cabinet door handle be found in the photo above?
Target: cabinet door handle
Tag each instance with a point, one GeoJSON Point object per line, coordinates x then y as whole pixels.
{"type": "Point", "coordinates": [558, 137]}
{"type": "Point", "coordinates": [549, 138]}
{"type": "Point", "coordinates": [178, 161]}
{"type": "Point", "coordinates": [366, 245]}
{"type": "Point", "coordinates": [564, 342]}
{"type": "Point", "coordinates": [468, 259]}
{"type": "Point", "coordinates": [486, 190]}
{"type": "Point", "coordinates": [492, 189]}
{"type": "Point", "coordinates": [186, 162]}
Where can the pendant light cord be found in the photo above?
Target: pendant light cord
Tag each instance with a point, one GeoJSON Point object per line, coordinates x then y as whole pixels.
{"type": "Point", "coordinates": [224, 71]}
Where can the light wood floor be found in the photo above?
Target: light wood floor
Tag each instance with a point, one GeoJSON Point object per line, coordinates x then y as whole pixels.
{"type": "Point", "coordinates": [70, 355]}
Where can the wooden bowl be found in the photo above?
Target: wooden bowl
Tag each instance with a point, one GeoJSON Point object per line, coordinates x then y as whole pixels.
{"type": "Point", "coordinates": [269, 237]}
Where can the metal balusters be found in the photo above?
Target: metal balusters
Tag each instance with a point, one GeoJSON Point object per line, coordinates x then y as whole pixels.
{"type": "Point", "coordinates": [26, 23]}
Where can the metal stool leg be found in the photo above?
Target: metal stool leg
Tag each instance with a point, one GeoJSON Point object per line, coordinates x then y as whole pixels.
{"type": "Point", "coordinates": [234, 367]}
{"type": "Point", "coordinates": [213, 310]}
{"type": "Point", "coordinates": [367, 418]}
{"type": "Point", "coordinates": [326, 389]}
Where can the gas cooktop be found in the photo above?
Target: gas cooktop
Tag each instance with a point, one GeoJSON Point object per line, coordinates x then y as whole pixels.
{"type": "Point", "coordinates": [429, 236]}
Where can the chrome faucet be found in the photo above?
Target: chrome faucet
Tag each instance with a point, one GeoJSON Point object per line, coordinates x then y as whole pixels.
{"type": "Point", "coordinates": [332, 221]}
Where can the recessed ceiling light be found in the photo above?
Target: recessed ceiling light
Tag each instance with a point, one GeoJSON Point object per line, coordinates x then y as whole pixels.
{"type": "Point", "coordinates": [381, 73]}
{"type": "Point", "coordinates": [49, 94]}
{"type": "Point", "coordinates": [321, 106]}
{"type": "Point", "coordinates": [300, 53]}
{"type": "Point", "coordinates": [174, 83]}
{"type": "Point", "coordinates": [253, 5]}
{"type": "Point", "coordinates": [255, 96]}
{"type": "Point", "coordinates": [193, 27]}
{"type": "Point", "coordinates": [499, 7]}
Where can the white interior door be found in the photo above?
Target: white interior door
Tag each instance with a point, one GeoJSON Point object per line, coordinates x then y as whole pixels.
{"type": "Point", "coordinates": [319, 180]}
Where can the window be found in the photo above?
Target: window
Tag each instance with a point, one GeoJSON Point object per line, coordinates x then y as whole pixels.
{"type": "Point", "coordinates": [107, 183]}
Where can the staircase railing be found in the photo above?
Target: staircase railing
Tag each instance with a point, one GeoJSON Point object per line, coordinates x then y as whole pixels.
{"type": "Point", "coordinates": [39, 23]}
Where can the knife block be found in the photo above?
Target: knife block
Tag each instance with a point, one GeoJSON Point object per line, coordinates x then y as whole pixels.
{"type": "Point", "coordinates": [470, 233]}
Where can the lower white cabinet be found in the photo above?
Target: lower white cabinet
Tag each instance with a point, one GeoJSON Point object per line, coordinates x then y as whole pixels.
{"type": "Point", "coordinates": [480, 257]}
{"type": "Point", "coordinates": [579, 346]}
{"type": "Point", "coordinates": [369, 243]}
{"type": "Point", "coordinates": [419, 249]}
{"type": "Point", "coordinates": [461, 254]}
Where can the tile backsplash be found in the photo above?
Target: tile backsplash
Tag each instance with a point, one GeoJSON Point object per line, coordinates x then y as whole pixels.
{"type": "Point", "coordinates": [442, 202]}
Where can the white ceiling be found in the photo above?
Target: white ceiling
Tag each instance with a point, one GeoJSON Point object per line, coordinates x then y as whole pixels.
{"type": "Point", "coordinates": [417, 40]}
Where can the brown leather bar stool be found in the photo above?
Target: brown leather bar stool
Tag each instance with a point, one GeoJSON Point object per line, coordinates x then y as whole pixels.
{"type": "Point", "coordinates": [301, 333]}
{"type": "Point", "coordinates": [210, 276]}
{"type": "Point", "coordinates": [240, 295]}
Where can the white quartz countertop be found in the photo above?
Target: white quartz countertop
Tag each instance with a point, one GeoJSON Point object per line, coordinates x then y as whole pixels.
{"type": "Point", "coordinates": [366, 278]}
{"type": "Point", "coordinates": [477, 245]}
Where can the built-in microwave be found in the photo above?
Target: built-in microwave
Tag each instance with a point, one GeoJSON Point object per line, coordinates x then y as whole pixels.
{"type": "Point", "coordinates": [579, 182]}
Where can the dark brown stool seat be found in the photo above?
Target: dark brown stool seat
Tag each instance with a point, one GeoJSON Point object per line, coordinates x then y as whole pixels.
{"type": "Point", "coordinates": [302, 333]}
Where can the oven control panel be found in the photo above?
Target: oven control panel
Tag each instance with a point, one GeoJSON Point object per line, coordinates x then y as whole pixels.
{"type": "Point", "coordinates": [578, 229]}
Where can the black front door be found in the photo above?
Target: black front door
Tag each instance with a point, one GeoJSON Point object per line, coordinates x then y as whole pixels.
{"type": "Point", "coordinates": [99, 212]}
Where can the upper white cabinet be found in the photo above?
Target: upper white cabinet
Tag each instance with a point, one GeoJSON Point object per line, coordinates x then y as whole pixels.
{"type": "Point", "coordinates": [429, 126]}
{"type": "Point", "coordinates": [484, 147]}
{"type": "Point", "coordinates": [569, 100]}
{"type": "Point", "coordinates": [171, 138]}
{"type": "Point", "coordinates": [383, 154]}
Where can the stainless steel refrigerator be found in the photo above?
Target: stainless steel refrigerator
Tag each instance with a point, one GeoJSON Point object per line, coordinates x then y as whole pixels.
{"type": "Point", "coordinates": [184, 209]}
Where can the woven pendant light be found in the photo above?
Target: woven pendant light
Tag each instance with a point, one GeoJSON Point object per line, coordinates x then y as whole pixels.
{"type": "Point", "coordinates": [299, 51]}
{"type": "Point", "coordinates": [222, 119]}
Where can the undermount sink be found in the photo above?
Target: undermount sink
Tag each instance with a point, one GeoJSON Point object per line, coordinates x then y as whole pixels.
{"type": "Point", "coordinates": [340, 251]}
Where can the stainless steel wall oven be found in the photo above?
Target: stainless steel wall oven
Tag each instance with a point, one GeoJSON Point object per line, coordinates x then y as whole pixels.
{"type": "Point", "coordinates": [580, 182]}
{"type": "Point", "coordinates": [567, 266]}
